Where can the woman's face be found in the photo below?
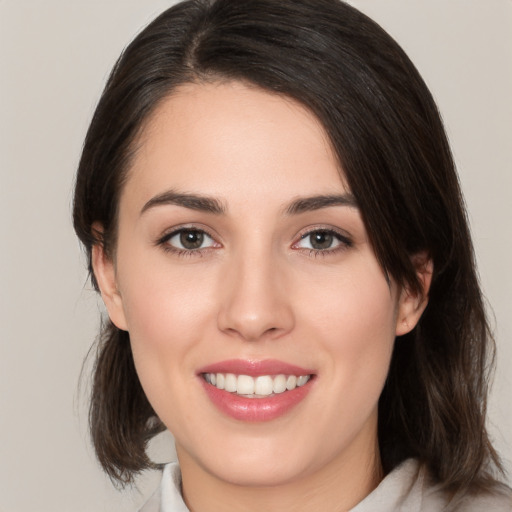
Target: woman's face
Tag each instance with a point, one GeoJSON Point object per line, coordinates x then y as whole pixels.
{"type": "Point", "coordinates": [242, 260]}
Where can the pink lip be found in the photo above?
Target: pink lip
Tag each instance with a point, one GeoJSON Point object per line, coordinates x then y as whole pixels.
{"type": "Point", "coordinates": [255, 409]}
{"type": "Point", "coordinates": [255, 368]}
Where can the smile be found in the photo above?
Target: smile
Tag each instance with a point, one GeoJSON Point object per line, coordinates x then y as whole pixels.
{"type": "Point", "coordinates": [256, 391]}
{"type": "Point", "coordinates": [262, 386]}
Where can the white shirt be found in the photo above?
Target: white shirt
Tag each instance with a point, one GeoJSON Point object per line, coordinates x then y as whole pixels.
{"type": "Point", "coordinates": [405, 489]}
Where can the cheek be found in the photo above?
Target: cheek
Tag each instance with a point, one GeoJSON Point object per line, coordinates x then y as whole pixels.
{"type": "Point", "coordinates": [168, 312]}
{"type": "Point", "coordinates": [355, 307]}
{"type": "Point", "coordinates": [159, 298]}
{"type": "Point", "coordinates": [165, 321]}
{"type": "Point", "coordinates": [354, 317]}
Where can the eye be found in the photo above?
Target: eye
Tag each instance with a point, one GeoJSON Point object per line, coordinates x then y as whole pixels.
{"type": "Point", "coordinates": [322, 240]}
{"type": "Point", "coordinates": [188, 239]}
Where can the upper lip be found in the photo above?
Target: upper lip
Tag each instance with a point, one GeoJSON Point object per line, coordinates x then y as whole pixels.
{"type": "Point", "coordinates": [255, 368]}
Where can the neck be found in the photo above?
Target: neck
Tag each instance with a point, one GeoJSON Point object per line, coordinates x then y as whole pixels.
{"type": "Point", "coordinates": [338, 486]}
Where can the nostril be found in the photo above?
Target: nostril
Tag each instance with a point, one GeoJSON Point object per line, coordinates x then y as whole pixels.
{"type": "Point", "coordinates": [253, 315]}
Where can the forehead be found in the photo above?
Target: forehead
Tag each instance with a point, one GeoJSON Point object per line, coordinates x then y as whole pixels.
{"type": "Point", "coordinates": [231, 137]}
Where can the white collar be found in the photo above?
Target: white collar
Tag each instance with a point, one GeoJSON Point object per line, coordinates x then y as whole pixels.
{"type": "Point", "coordinates": [402, 490]}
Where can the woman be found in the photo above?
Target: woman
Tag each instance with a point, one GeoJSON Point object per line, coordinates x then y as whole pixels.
{"type": "Point", "coordinates": [272, 215]}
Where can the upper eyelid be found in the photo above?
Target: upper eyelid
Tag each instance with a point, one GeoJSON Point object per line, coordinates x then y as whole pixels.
{"type": "Point", "coordinates": [344, 239]}
{"type": "Point", "coordinates": [169, 233]}
{"type": "Point", "coordinates": [163, 242]}
{"type": "Point", "coordinates": [304, 232]}
{"type": "Point", "coordinates": [331, 229]}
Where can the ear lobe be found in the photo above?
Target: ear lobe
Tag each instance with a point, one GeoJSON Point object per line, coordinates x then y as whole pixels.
{"type": "Point", "coordinates": [105, 274]}
{"type": "Point", "coordinates": [412, 304]}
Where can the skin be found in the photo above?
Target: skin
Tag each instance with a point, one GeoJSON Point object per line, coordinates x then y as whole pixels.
{"type": "Point", "coordinates": [254, 290]}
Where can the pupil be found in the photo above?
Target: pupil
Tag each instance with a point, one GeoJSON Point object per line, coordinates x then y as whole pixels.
{"type": "Point", "coordinates": [191, 239]}
{"type": "Point", "coordinates": [321, 240]}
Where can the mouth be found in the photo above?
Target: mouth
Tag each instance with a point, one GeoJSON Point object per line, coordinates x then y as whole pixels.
{"type": "Point", "coordinates": [262, 386]}
{"type": "Point", "coordinates": [256, 391]}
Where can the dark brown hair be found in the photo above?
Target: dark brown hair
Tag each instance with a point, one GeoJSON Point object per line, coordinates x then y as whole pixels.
{"type": "Point", "coordinates": [388, 136]}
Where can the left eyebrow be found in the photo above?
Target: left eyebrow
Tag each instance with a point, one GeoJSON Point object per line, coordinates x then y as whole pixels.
{"type": "Point", "coordinates": [185, 200]}
{"type": "Point", "coordinates": [307, 204]}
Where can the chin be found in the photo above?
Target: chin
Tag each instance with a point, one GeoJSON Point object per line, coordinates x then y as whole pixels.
{"type": "Point", "coordinates": [259, 461]}
{"type": "Point", "coordinates": [258, 473]}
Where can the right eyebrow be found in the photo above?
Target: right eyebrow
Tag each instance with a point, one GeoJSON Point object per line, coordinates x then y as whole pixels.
{"type": "Point", "coordinates": [307, 204]}
{"type": "Point", "coordinates": [186, 200]}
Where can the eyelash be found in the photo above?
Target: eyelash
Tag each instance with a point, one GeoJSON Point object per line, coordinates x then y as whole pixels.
{"type": "Point", "coordinates": [344, 242]}
{"type": "Point", "coordinates": [164, 242]}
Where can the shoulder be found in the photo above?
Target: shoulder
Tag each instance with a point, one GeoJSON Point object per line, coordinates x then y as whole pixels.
{"type": "Point", "coordinates": [499, 500]}
{"type": "Point", "coordinates": [408, 488]}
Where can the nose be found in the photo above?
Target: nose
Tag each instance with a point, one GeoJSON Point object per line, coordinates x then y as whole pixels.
{"type": "Point", "coordinates": [255, 299]}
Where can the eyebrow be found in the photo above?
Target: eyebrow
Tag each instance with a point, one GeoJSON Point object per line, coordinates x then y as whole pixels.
{"type": "Point", "coordinates": [213, 205]}
{"type": "Point", "coordinates": [308, 204]}
{"type": "Point", "coordinates": [191, 201]}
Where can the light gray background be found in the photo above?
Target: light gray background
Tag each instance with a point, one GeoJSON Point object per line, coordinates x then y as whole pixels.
{"type": "Point", "coordinates": [54, 58]}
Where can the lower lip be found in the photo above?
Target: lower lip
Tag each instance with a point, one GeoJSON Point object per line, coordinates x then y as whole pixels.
{"type": "Point", "coordinates": [255, 409]}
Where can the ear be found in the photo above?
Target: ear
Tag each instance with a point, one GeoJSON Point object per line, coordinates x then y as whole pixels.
{"type": "Point", "coordinates": [105, 274]}
{"type": "Point", "coordinates": [412, 304]}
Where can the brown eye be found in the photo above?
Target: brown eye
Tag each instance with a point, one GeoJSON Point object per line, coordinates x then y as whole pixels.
{"type": "Point", "coordinates": [188, 240]}
{"type": "Point", "coordinates": [323, 240]}
{"type": "Point", "coordinates": [320, 240]}
{"type": "Point", "coordinates": [191, 239]}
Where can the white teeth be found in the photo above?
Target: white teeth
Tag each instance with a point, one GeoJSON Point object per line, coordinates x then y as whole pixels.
{"type": "Point", "coordinates": [255, 387]}
{"type": "Point", "coordinates": [302, 380]}
{"type": "Point", "coordinates": [245, 385]}
{"type": "Point", "coordinates": [291, 382]}
{"type": "Point", "coordinates": [280, 384]}
{"type": "Point", "coordinates": [263, 385]}
{"type": "Point", "coordinates": [230, 383]}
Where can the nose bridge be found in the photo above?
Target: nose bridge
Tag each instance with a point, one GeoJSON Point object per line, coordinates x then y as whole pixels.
{"type": "Point", "coordinates": [254, 302]}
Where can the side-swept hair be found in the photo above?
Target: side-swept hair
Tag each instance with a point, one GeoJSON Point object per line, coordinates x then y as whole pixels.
{"type": "Point", "coordinates": [386, 131]}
